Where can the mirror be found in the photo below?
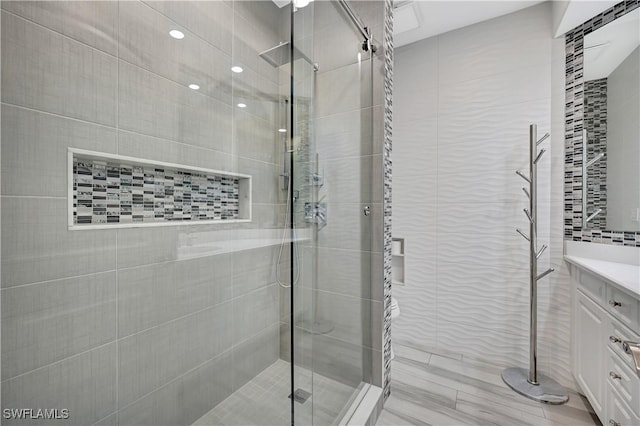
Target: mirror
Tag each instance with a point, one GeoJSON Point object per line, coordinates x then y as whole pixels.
{"type": "Point", "coordinates": [611, 170]}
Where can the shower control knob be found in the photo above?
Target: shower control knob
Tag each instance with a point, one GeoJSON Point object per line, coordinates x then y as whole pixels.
{"type": "Point", "coordinates": [367, 210]}
{"type": "Point", "coordinates": [615, 303]}
{"type": "Point", "coordinates": [614, 375]}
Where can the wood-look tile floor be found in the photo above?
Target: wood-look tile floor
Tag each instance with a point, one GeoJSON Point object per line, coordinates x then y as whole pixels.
{"type": "Point", "coordinates": [448, 389]}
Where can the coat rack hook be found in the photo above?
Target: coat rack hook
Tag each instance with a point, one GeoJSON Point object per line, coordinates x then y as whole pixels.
{"type": "Point", "coordinates": [542, 249]}
{"type": "Point", "coordinates": [519, 173]}
{"type": "Point", "coordinates": [544, 274]}
{"type": "Point", "coordinates": [540, 154]}
{"type": "Point", "coordinates": [525, 236]}
{"type": "Point", "coordinates": [542, 139]}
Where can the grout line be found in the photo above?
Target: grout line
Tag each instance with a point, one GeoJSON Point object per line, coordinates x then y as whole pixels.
{"type": "Point", "coordinates": [117, 316]}
{"type": "Point", "coordinates": [100, 346]}
{"type": "Point", "coordinates": [145, 265]}
{"type": "Point", "coordinates": [113, 413]}
{"type": "Point", "coordinates": [181, 376]}
{"type": "Point", "coordinates": [40, 197]}
{"type": "Point", "coordinates": [55, 280]}
{"type": "Point", "coordinates": [117, 338]}
{"type": "Point", "coordinates": [133, 132]}
{"type": "Point", "coordinates": [116, 56]}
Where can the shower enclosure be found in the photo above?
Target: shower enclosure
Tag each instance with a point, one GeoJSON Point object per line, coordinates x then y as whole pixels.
{"type": "Point", "coordinates": [191, 211]}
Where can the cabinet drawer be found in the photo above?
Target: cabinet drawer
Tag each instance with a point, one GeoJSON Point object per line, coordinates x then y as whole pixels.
{"type": "Point", "coordinates": [592, 286]}
{"type": "Point", "coordinates": [617, 334]}
{"type": "Point", "coordinates": [623, 306]}
{"type": "Point", "coordinates": [618, 412]}
{"type": "Point", "coordinates": [624, 380]}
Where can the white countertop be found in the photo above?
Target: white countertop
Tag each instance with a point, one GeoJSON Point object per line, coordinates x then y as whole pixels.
{"type": "Point", "coordinates": [623, 275]}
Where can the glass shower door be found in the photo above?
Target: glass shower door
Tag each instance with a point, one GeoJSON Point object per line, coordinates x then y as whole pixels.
{"type": "Point", "coordinates": [337, 212]}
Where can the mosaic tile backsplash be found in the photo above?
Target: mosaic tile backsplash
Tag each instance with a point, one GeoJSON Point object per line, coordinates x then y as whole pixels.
{"type": "Point", "coordinates": [109, 192]}
{"type": "Point", "coordinates": [387, 166]}
{"type": "Point", "coordinates": [595, 122]}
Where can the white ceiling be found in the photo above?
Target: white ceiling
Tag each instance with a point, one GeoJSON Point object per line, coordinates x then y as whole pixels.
{"type": "Point", "coordinates": [608, 46]}
{"type": "Point", "coordinates": [437, 17]}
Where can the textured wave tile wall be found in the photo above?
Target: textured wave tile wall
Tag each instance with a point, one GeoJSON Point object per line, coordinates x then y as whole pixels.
{"type": "Point", "coordinates": [457, 200]}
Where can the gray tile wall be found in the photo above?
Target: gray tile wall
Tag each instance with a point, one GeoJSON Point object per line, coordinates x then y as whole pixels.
{"type": "Point", "coordinates": [134, 326]}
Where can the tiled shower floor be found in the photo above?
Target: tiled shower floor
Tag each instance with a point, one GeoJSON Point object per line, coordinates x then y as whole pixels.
{"type": "Point", "coordinates": [264, 400]}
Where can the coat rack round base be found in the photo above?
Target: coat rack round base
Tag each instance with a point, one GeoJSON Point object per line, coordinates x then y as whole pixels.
{"type": "Point", "coordinates": [547, 390]}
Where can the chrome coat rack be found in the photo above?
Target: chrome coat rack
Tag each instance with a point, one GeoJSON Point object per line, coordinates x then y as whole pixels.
{"type": "Point", "coordinates": [529, 382]}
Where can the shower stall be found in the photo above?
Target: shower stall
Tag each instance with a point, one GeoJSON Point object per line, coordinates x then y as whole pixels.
{"type": "Point", "coordinates": [191, 211]}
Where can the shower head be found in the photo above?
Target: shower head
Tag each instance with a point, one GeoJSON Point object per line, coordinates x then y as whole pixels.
{"type": "Point", "coordinates": [281, 54]}
{"type": "Point", "coordinates": [277, 55]}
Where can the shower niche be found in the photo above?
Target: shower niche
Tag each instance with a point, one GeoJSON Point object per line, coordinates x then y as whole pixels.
{"type": "Point", "coordinates": [113, 191]}
{"type": "Point", "coordinates": [397, 261]}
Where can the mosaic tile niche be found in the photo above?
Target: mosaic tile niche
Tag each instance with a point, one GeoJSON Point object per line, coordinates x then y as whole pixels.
{"type": "Point", "coordinates": [114, 191]}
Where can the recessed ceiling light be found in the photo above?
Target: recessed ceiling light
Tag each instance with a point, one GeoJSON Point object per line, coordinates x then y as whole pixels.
{"type": "Point", "coordinates": [194, 86]}
{"type": "Point", "coordinates": [177, 34]}
{"type": "Point", "coordinates": [282, 130]}
{"type": "Point", "coordinates": [236, 69]}
{"type": "Point", "coordinates": [241, 105]}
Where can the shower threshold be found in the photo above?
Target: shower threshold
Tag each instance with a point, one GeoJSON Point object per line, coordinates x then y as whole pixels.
{"type": "Point", "coordinates": [264, 400]}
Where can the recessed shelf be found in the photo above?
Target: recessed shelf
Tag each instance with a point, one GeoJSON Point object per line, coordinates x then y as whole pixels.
{"type": "Point", "coordinates": [114, 191]}
{"type": "Point", "coordinates": [397, 261]}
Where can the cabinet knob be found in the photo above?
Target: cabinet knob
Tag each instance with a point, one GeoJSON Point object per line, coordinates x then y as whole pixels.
{"type": "Point", "coordinates": [614, 375]}
{"type": "Point", "coordinates": [614, 423]}
{"type": "Point", "coordinates": [615, 303]}
{"type": "Point", "coordinates": [614, 339]}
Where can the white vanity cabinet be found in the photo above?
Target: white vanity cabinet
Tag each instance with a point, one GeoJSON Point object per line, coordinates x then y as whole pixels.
{"type": "Point", "coordinates": [590, 329]}
{"type": "Point", "coordinates": [606, 315]}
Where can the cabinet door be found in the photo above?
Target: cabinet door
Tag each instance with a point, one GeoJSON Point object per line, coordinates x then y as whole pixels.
{"type": "Point", "coordinates": [591, 324]}
{"type": "Point", "coordinates": [618, 412]}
